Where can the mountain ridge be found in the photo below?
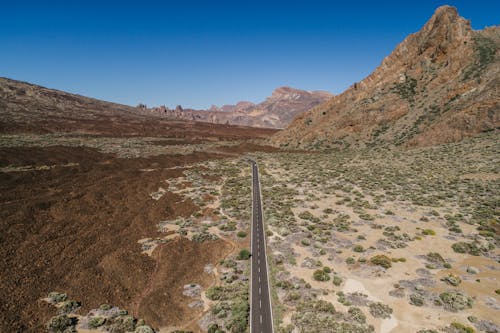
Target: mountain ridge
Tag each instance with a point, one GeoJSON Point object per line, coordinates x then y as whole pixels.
{"type": "Point", "coordinates": [276, 111]}
{"type": "Point", "coordinates": [439, 85]}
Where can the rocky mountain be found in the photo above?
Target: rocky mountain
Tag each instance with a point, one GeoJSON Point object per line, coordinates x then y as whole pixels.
{"type": "Point", "coordinates": [439, 85]}
{"type": "Point", "coordinates": [276, 111]}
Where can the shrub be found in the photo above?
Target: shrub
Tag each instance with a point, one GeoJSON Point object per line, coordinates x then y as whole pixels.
{"type": "Point", "coordinates": [337, 280]}
{"type": "Point", "coordinates": [57, 297]}
{"type": "Point", "coordinates": [96, 322]}
{"type": "Point", "coordinates": [456, 301]}
{"type": "Point", "coordinates": [214, 293]}
{"type": "Point", "coordinates": [429, 232]}
{"type": "Point", "coordinates": [59, 324]}
{"type": "Point", "coordinates": [321, 275]}
{"type": "Point", "coordinates": [244, 254]}
{"type": "Point", "coordinates": [68, 307]}
{"type": "Point", "coordinates": [358, 248]}
{"type": "Point", "coordinates": [350, 261]}
{"type": "Point", "coordinates": [452, 279]}
{"type": "Point", "coordinates": [123, 324]}
{"type": "Point", "coordinates": [460, 328]}
{"type": "Point", "coordinates": [105, 307]}
{"type": "Point", "coordinates": [214, 328]}
{"type": "Point", "coordinates": [381, 260]}
{"type": "Point", "coordinates": [356, 315]}
{"type": "Point", "coordinates": [241, 234]}
{"type": "Point", "coordinates": [380, 310]}
{"type": "Point", "coordinates": [327, 269]}
{"type": "Point", "coordinates": [417, 300]}
{"type": "Point", "coordinates": [239, 316]}
{"type": "Point", "coordinates": [143, 329]}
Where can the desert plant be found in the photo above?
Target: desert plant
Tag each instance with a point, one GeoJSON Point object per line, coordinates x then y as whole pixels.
{"type": "Point", "coordinates": [381, 260]}
{"type": "Point", "coordinates": [321, 275]}
{"type": "Point", "coordinates": [244, 254]}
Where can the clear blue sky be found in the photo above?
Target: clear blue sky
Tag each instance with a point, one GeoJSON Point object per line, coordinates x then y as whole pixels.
{"type": "Point", "coordinates": [208, 52]}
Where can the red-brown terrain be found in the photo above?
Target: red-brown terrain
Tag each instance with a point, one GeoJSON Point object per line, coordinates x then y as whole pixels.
{"type": "Point", "coordinates": [71, 215]}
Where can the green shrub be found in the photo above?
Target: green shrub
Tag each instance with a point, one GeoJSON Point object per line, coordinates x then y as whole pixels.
{"type": "Point", "coordinates": [321, 275]}
{"type": "Point", "coordinates": [355, 314]}
{"type": "Point", "coordinates": [381, 260]}
{"type": "Point", "coordinates": [214, 328]}
{"type": "Point", "coordinates": [57, 297]}
{"type": "Point", "coordinates": [244, 254]}
{"type": "Point", "coordinates": [417, 300]}
{"type": "Point", "coordinates": [350, 261]}
{"type": "Point", "coordinates": [460, 328]}
{"type": "Point", "coordinates": [96, 322]}
{"type": "Point", "coordinates": [337, 280]}
{"type": "Point", "coordinates": [214, 293]}
{"type": "Point", "coordinates": [380, 310]}
{"type": "Point", "coordinates": [59, 324]}
{"type": "Point", "coordinates": [455, 301]}
{"type": "Point", "coordinates": [358, 248]}
{"type": "Point", "coordinates": [68, 307]}
{"type": "Point", "coordinates": [241, 234]}
{"type": "Point", "coordinates": [429, 232]}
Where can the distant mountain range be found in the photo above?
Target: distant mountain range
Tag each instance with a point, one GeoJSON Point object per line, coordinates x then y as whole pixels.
{"type": "Point", "coordinates": [276, 111]}
{"type": "Point", "coordinates": [439, 85]}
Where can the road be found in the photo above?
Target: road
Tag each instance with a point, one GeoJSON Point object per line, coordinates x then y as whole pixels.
{"type": "Point", "coordinates": [261, 317]}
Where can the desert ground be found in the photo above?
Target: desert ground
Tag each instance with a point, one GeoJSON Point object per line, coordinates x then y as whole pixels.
{"type": "Point", "coordinates": [103, 231]}
{"type": "Point", "coordinates": [385, 240]}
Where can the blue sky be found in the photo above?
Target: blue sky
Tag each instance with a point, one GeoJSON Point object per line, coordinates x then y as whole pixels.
{"type": "Point", "coordinates": [211, 52]}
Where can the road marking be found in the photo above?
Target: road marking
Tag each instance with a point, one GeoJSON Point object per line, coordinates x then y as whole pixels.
{"type": "Point", "coordinates": [260, 290]}
{"type": "Point", "coordinates": [260, 303]}
{"type": "Point", "coordinates": [261, 319]}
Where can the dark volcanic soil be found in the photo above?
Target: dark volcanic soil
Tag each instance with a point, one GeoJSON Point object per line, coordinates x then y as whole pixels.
{"type": "Point", "coordinates": [75, 229]}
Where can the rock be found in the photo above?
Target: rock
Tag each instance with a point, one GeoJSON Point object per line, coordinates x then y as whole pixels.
{"type": "Point", "coordinates": [192, 290]}
{"type": "Point", "coordinates": [472, 270]}
{"type": "Point", "coordinates": [209, 269]}
{"type": "Point", "coordinates": [196, 304]}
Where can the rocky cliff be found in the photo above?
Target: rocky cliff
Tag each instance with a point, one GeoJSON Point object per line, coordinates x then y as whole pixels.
{"type": "Point", "coordinates": [276, 111]}
{"type": "Point", "coordinates": [439, 85]}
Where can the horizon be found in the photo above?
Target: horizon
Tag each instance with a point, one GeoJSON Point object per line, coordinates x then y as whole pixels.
{"type": "Point", "coordinates": [207, 55]}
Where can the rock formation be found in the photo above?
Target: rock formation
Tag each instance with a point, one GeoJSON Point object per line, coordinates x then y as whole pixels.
{"type": "Point", "coordinates": [439, 85]}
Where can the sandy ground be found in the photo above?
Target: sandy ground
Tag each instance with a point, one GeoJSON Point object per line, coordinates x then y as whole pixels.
{"type": "Point", "coordinates": [376, 282]}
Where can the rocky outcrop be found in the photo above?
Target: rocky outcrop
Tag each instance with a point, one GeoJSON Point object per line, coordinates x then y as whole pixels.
{"type": "Point", "coordinates": [275, 112]}
{"type": "Point", "coordinates": [439, 85]}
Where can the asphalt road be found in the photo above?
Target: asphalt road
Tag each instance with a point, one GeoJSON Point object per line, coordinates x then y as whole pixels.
{"type": "Point", "coordinates": [261, 318]}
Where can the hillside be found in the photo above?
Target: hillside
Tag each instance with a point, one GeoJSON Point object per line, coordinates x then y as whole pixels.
{"type": "Point", "coordinates": [29, 108]}
{"type": "Point", "coordinates": [439, 85]}
{"type": "Point", "coordinates": [277, 111]}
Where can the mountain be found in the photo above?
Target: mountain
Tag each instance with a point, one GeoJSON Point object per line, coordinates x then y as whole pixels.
{"type": "Point", "coordinates": [29, 108]}
{"type": "Point", "coordinates": [439, 85]}
{"type": "Point", "coordinates": [276, 111]}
